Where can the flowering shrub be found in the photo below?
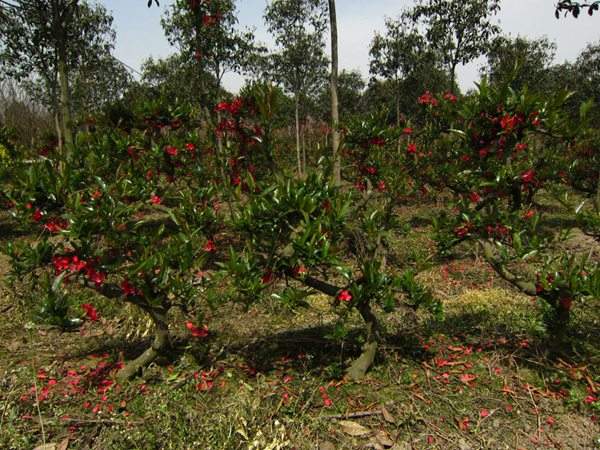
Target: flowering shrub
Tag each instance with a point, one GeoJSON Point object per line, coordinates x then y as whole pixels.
{"type": "Point", "coordinates": [129, 220]}
{"type": "Point", "coordinates": [494, 152]}
{"type": "Point", "coordinates": [301, 232]}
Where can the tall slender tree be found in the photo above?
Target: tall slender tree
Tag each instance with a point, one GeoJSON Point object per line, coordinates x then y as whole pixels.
{"type": "Point", "coordinates": [49, 40]}
{"type": "Point", "coordinates": [335, 113]}
{"type": "Point", "coordinates": [398, 54]}
{"type": "Point", "coordinates": [299, 63]}
{"type": "Point", "coordinates": [460, 30]}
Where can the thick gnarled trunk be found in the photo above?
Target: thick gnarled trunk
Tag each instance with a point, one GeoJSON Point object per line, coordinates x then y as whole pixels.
{"type": "Point", "coordinates": [361, 365]}
{"type": "Point", "coordinates": [160, 345]}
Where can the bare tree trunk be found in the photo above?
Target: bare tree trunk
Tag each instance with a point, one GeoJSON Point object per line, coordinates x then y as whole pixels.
{"type": "Point", "coordinates": [297, 111]}
{"type": "Point", "coordinates": [65, 103]}
{"type": "Point", "coordinates": [335, 114]}
{"type": "Point", "coordinates": [597, 199]}
{"type": "Point", "coordinates": [398, 119]}
{"type": "Point", "coordinates": [58, 132]}
{"type": "Point", "coordinates": [303, 134]}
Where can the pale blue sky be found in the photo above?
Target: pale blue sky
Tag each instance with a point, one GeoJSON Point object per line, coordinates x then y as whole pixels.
{"type": "Point", "coordinates": [139, 34]}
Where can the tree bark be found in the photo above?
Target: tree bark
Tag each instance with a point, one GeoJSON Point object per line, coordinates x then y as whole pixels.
{"type": "Point", "coordinates": [361, 365]}
{"type": "Point", "coordinates": [398, 118]}
{"type": "Point", "coordinates": [303, 141]}
{"type": "Point", "coordinates": [58, 131]}
{"type": "Point", "coordinates": [65, 102]}
{"type": "Point", "coordinates": [297, 113]}
{"type": "Point", "coordinates": [335, 114]}
{"type": "Point", "coordinates": [159, 345]}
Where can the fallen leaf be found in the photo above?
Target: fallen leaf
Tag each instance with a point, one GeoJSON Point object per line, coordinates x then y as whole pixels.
{"type": "Point", "coordinates": [353, 428]}
{"type": "Point", "coordinates": [387, 416]}
{"type": "Point", "coordinates": [384, 439]}
{"type": "Point", "coordinates": [467, 378]}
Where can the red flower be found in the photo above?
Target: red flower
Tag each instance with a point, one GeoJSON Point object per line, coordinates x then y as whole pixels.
{"type": "Point", "coordinates": [371, 170]}
{"type": "Point", "coordinates": [155, 200]}
{"type": "Point", "coordinates": [467, 378]}
{"type": "Point", "coordinates": [98, 278]}
{"type": "Point", "coordinates": [222, 106]}
{"type": "Point", "coordinates": [197, 332]}
{"type": "Point", "coordinates": [90, 312]}
{"type": "Point", "coordinates": [427, 99]}
{"type": "Point", "coordinates": [520, 147]}
{"type": "Point", "coordinates": [483, 152]}
{"type": "Point", "coordinates": [381, 187]}
{"type": "Point", "coordinates": [37, 215]}
{"type": "Point", "coordinates": [210, 246]}
{"type": "Point", "coordinates": [129, 290]}
{"type": "Point", "coordinates": [327, 402]}
{"type": "Point", "coordinates": [377, 141]}
{"type": "Point", "coordinates": [509, 122]}
{"type": "Point", "coordinates": [449, 96]}
{"type": "Point", "coordinates": [267, 278]}
{"type": "Point", "coordinates": [61, 263]}
{"type": "Point", "coordinates": [55, 226]}
{"type": "Point", "coordinates": [171, 151]}
{"type": "Point", "coordinates": [474, 197]}
{"type": "Point", "coordinates": [462, 231]}
{"type": "Point", "coordinates": [528, 176]}
{"type": "Point", "coordinates": [528, 214]}
{"type": "Point", "coordinates": [190, 147]}
{"type": "Point", "coordinates": [411, 149]}
{"type": "Point", "coordinates": [484, 413]}
{"type": "Point", "coordinates": [236, 105]}
{"type": "Point", "coordinates": [77, 264]}
{"type": "Point", "coordinates": [408, 131]}
{"type": "Point", "coordinates": [344, 295]}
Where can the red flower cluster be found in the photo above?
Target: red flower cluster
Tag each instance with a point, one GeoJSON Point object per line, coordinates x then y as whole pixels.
{"type": "Point", "coordinates": [171, 150]}
{"type": "Point", "coordinates": [210, 246]}
{"type": "Point", "coordinates": [377, 141]}
{"type": "Point", "coordinates": [450, 97]}
{"type": "Point", "coordinates": [474, 197]}
{"type": "Point", "coordinates": [344, 295]}
{"type": "Point", "coordinates": [129, 290]}
{"type": "Point", "coordinates": [56, 225]}
{"type": "Point", "coordinates": [233, 108]}
{"type": "Point", "coordinates": [509, 122]}
{"type": "Point", "coordinates": [267, 278]}
{"type": "Point", "coordinates": [528, 176]}
{"type": "Point", "coordinates": [75, 264]}
{"type": "Point", "coordinates": [327, 402]}
{"type": "Point", "coordinates": [90, 312]}
{"type": "Point", "coordinates": [197, 332]}
{"type": "Point", "coordinates": [427, 99]}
